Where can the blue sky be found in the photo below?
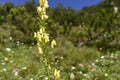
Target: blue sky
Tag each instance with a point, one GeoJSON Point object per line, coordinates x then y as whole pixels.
{"type": "Point", "coordinates": [75, 4]}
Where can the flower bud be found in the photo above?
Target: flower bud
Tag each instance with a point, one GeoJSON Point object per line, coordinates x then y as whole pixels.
{"type": "Point", "coordinates": [53, 43]}
{"type": "Point", "coordinates": [40, 50]}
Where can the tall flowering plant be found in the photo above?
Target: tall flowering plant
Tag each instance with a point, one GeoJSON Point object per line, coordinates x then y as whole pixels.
{"type": "Point", "coordinates": [42, 38]}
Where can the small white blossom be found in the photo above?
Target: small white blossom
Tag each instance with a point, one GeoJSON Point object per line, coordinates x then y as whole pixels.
{"type": "Point", "coordinates": [31, 78]}
{"type": "Point", "coordinates": [3, 63]}
{"type": "Point", "coordinates": [111, 62]}
{"type": "Point", "coordinates": [22, 43]}
{"type": "Point", "coordinates": [4, 69]}
{"type": "Point", "coordinates": [80, 72]}
{"type": "Point", "coordinates": [11, 61]}
{"type": "Point", "coordinates": [115, 9]}
{"type": "Point", "coordinates": [85, 75]}
{"type": "Point", "coordinates": [10, 38]}
{"type": "Point", "coordinates": [106, 74]}
{"type": "Point", "coordinates": [93, 64]}
{"type": "Point", "coordinates": [102, 57]}
{"type": "Point", "coordinates": [73, 67]}
{"type": "Point", "coordinates": [5, 58]}
{"type": "Point", "coordinates": [96, 60]}
{"type": "Point", "coordinates": [61, 57]}
{"type": "Point", "coordinates": [8, 49]}
{"type": "Point", "coordinates": [46, 78]}
{"type": "Point", "coordinates": [24, 68]}
{"type": "Point", "coordinates": [72, 76]}
{"type": "Point", "coordinates": [16, 73]}
{"type": "Point", "coordinates": [18, 42]}
{"type": "Point", "coordinates": [81, 65]}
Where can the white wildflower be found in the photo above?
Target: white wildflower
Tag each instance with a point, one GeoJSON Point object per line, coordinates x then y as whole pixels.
{"type": "Point", "coordinates": [61, 57]}
{"type": "Point", "coordinates": [85, 75]}
{"type": "Point", "coordinates": [46, 78]}
{"type": "Point", "coordinates": [102, 57]}
{"type": "Point", "coordinates": [16, 73]}
{"type": "Point", "coordinates": [72, 76]}
{"type": "Point", "coordinates": [4, 69]}
{"type": "Point", "coordinates": [81, 65]}
{"type": "Point", "coordinates": [18, 42]}
{"type": "Point", "coordinates": [24, 68]}
{"type": "Point", "coordinates": [73, 67]}
{"type": "Point", "coordinates": [8, 49]}
{"type": "Point", "coordinates": [80, 72]}
{"type": "Point", "coordinates": [3, 63]}
{"type": "Point", "coordinates": [10, 38]}
{"type": "Point", "coordinates": [106, 74]}
{"type": "Point", "coordinates": [93, 64]}
{"type": "Point", "coordinates": [11, 61]}
{"type": "Point", "coordinates": [96, 60]}
{"type": "Point", "coordinates": [5, 58]}
{"type": "Point", "coordinates": [115, 9]}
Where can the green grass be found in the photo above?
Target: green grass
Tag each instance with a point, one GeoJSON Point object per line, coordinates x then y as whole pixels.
{"type": "Point", "coordinates": [75, 63]}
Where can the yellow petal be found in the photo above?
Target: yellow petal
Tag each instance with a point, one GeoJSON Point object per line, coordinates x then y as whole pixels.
{"type": "Point", "coordinates": [46, 38]}
{"type": "Point", "coordinates": [40, 50]}
{"type": "Point", "coordinates": [56, 74]}
{"type": "Point", "coordinates": [39, 9]}
{"type": "Point", "coordinates": [53, 43]}
{"type": "Point", "coordinates": [46, 4]}
{"type": "Point", "coordinates": [35, 35]}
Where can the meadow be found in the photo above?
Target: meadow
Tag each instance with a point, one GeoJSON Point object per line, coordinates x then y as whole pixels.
{"type": "Point", "coordinates": [21, 62]}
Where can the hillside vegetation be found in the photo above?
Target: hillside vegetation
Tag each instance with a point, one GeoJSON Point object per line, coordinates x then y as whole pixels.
{"type": "Point", "coordinates": [88, 42]}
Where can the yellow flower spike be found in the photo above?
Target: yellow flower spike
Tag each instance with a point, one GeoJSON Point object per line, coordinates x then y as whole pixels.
{"type": "Point", "coordinates": [56, 74]}
{"type": "Point", "coordinates": [53, 43]}
{"type": "Point", "coordinates": [43, 38]}
{"type": "Point", "coordinates": [40, 50]}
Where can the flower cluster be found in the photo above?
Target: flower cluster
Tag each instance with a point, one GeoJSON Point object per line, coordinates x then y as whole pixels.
{"type": "Point", "coordinates": [41, 9]}
{"type": "Point", "coordinates": [43, 38]}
